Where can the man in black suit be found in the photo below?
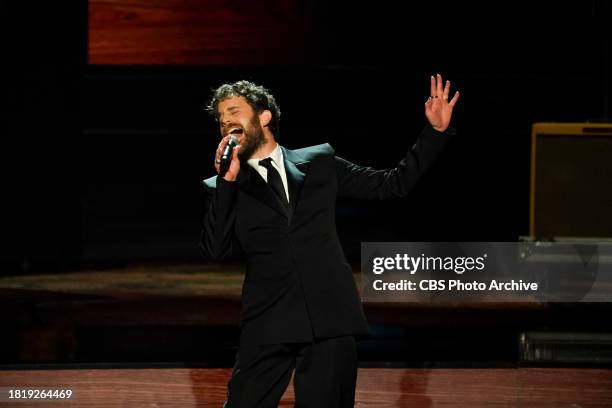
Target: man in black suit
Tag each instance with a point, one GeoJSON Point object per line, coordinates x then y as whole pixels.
{"type": "Point", "coordinates": [276, 208]}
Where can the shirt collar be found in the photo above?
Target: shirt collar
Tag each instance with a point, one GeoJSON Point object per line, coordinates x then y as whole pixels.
{"type": "Point", "coordinates": [276, 155]}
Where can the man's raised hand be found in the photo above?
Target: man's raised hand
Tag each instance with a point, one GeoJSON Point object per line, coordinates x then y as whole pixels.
{"type": "Point", "coordinates": [438, 109]}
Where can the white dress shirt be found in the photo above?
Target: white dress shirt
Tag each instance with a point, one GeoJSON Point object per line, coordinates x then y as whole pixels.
{"type": "Point", "coordinates": [277, 161]}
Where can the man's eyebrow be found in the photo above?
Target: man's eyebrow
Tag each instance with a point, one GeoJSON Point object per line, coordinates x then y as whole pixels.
{"type": "Point", "coordinates": [233, 108]}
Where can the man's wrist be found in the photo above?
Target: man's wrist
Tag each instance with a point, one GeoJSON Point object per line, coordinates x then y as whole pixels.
{"type": "Point", "coordinates": [449, 130]}
{"type": "Point", "coordinates": [222, 181]}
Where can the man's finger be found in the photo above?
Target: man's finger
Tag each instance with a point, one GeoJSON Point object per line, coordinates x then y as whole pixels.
{"type": "Point", "coordinates": [223, 141]}
{"type": "Point", "coordinates": [432, 87]}
{"type": "Point", "coordinates": [446, 90]}
{"type": "Point", "coordinates": [428, 105]}
{"type": "Point", "coordinates": [439, 91]}
{"type": "Point", "coordinates": [454, 100]}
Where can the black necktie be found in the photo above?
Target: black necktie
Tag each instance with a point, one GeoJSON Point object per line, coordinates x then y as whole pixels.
{"type": "Point", "coordinates": [274, 180]}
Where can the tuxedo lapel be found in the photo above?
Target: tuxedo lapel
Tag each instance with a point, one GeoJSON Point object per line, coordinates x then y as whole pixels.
{"type": "Point", "coordinates": [251, 182]}
{"type": "Point", "coordinates": [295, 169]}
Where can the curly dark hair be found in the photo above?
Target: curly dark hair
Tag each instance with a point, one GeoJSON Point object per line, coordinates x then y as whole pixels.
{"type": "Point", "coordinates": [257, 96]}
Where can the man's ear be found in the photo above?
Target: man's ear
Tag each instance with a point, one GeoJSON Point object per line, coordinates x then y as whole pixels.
{"type": "Point", "coordinates": [265, 117]}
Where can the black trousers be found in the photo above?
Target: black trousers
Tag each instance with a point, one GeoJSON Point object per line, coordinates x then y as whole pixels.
{"type": "Point", "coordinates": [325, 374]}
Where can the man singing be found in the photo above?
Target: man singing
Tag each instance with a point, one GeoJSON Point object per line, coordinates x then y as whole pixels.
{"type": "Point", "coordinates": [276, 208]}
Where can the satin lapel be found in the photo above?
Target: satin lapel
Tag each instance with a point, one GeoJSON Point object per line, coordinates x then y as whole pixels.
{"type": "Point", "coordinates": [295, 169]}
{"type": "Point", "coordinates": [254, 185]}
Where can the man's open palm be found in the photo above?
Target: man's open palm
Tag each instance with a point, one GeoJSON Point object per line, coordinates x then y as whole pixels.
{"type": "Point", "coordinates": [438, 109]}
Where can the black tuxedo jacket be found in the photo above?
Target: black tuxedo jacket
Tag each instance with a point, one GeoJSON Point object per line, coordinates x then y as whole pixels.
{"type": "Point", "coordinates": [298, 284]}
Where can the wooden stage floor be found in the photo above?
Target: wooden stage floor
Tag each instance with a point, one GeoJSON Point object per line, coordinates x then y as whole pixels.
{"type": "Point", "coordinates": [189, 313]}
{"type": "Point", "coordinates": [377, 387]}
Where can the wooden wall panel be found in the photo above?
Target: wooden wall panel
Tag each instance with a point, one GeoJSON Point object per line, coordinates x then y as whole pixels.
{"type": "Point", "coordinates": [197, 32]}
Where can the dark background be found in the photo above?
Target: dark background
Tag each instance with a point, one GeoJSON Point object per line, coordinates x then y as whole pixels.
{"type": "Point", "coordinates": [103, 162]}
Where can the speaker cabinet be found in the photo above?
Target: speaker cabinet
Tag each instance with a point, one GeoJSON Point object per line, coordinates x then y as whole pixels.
{"type": "Point", "coordinates": [571, 180]}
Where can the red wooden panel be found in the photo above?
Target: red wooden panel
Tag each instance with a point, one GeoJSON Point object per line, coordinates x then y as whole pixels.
{"type": "Point", "coordinates": [197, 32]}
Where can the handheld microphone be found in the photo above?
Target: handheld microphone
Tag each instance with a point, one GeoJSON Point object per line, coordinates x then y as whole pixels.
{"type": "Point", "coordinates": [226, 156]}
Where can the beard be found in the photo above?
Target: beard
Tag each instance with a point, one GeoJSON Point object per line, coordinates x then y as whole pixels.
{"type": "Point", "coordinates": [253, 139]}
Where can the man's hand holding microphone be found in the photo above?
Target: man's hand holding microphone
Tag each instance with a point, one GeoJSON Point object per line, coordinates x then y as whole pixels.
{"type": "Point", "coordinates": [227, 163]}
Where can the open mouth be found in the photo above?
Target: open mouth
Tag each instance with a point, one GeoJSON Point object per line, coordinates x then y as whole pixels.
{"type": "Point", "coordinates": [235, 131]}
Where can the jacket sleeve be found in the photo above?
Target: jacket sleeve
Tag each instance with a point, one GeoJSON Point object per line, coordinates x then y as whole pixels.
{"type": "Point", "coordinates": [365, 182]}
{"type": "Point", "coordinates": [217, 241]}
